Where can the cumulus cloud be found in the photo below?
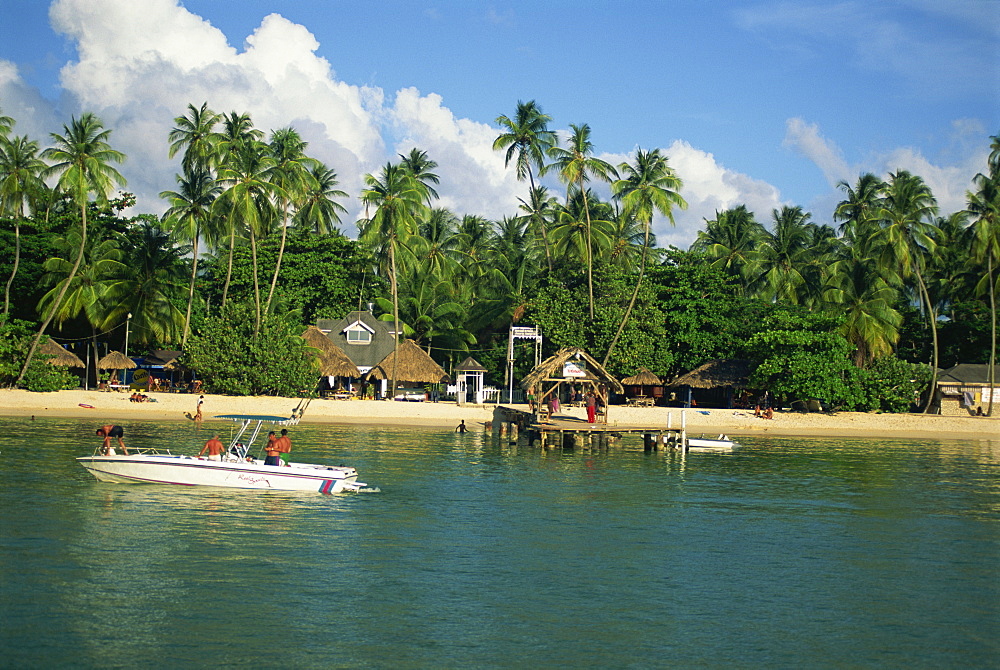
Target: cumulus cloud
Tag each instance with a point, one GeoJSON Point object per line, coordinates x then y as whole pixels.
{"type": "Point", "coordinates": [709, 187]}
{"type": "Point", "coordinates": [948, 182]}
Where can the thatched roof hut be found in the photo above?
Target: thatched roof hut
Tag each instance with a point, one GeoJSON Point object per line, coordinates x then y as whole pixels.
{"type": "Point", "coordinates": [333, 362]}
{"type": "Point", "coordinates": [60, 356]}
{"type": "Point", "coordinates": [174, 365]}
{"type": "Point", "coordinates": [116, 360]}
{"type": "Point", "coordinates": [717, 374]}
{"type": "Point", "coordinates": [644, 378]}
{"type": "Point", "coordinates": [553, 369]}
{"type": "Point", "coordinates": [415, 365]}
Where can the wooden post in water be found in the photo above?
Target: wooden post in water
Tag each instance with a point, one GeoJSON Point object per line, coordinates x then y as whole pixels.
{"type": "Point", "coordinates": [684, 434]}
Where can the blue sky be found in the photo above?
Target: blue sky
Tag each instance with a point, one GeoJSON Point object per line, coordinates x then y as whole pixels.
{"type": "Point", "coordinates": [763, 103]}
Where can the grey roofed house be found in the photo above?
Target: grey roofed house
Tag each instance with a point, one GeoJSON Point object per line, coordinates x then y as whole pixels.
{"type": "Point", "coordinates": [365, 339]}
{"type": "Point", "coordinates": [968, 374]}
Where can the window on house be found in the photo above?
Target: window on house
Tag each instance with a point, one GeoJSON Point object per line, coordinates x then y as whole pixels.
{"type": "Point", "coordinates": [359, 336]}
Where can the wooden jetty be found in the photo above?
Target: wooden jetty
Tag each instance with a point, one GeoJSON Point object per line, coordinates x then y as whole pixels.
{"type": "Point", "coordinates": [572, 433]}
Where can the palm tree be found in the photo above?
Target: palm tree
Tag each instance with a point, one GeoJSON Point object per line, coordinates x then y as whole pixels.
{"type": "Point", "coordinates": [20, 185]}
{"type": "Point", "coordinates": [906, 237]}
{"type": "Point", "coordinates": [419, 165]}
{"type": "Point", "coordinates": [539, 212]}
{"type": "Point", "coordinates": [149, 287]}
{"type": "Point", "coordinates": [6, 125]}
{"type": "Point", "coordinates": [730, 242]}
{"type": "Point", "coordinates": [860, 207]}
{"type": "Point", "coordinates": [570, 230]}
{"type": "Point", "coordinates": [779, 265]}
{"type": "Point", "coordinates": [291, 176]}
{"type": "Point", "coordinates": [83, 160]}
{"type": "Point", "coordinates": [319, 208]}
{"type": "Point", "coordinates": [859, 293]}
{"type": "Point", "coordinates": [247, 177]}
{"type": "Point", "coordinates": [396, 197]}
{"type": "Point", "coordinates": [190, 209]}
{"type": "Point", "coordinates": [984, 205]}
{"type": "Point", "coordinates": [576, 164]}
{"type": "Point", "coordinates": [195, 135]}
{"type": "Point", "coordinates": [85, 291]}
{"type": "Point", "coordinates": [650, 185]}
{"type": "Point", "coordinates": [527, 140]}
{"type": "Point", "coordinates": [237, 130]}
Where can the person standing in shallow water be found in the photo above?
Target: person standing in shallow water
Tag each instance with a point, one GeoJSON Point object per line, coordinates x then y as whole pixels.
{"type": "Point", "coordinates": [461, 427]}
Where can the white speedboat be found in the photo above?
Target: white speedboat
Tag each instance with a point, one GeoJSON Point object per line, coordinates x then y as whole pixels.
{"type": "Point", "coordinates": [237, 469]}
{"type": "Point", "coordinates": [720, 443]}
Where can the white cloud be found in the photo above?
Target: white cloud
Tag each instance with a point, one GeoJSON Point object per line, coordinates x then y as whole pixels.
{"type": "Point", "coordinates": [806, 139]}
{"type": "Point", "coordinates": [708, 188]}
{"type": "Point", "coordinates": [948, 182]}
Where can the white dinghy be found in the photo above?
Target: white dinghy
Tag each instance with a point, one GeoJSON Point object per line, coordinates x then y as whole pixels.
{"type": "Point", "coordinates": [720, 443]}
{"type": "Point", "coordinates": [237, 469]}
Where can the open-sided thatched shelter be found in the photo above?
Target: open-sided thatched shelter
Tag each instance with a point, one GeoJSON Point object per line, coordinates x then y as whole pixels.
{"type": "Point", "coordinates": [333, 362]}
{"type": "Point", "coordinates": [722, 374]}
{"type": "Point", "coordinates": [570, 366]}
{"type": "Point", "coordinates": [644, 387]}
{"type": "Point", "coordinates": [60, 356]}
{"type": "Point", "coordinates": [415, 366]}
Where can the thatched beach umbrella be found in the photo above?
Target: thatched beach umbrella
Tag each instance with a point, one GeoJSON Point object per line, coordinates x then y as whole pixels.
{"type": "Point", "coordinates": [644, 378]}
{"type": "Point", "coordinates": [415, 365]}
{"type": "Point", "coordinates": [116, 360]}
{"type": "Point", "coordinates": [333, 362]}
{"type": "Point", "coordinates": [60, 356]}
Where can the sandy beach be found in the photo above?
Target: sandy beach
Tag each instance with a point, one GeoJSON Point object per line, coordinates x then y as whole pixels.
{"type": "Point", "coordinates": [111, 406]}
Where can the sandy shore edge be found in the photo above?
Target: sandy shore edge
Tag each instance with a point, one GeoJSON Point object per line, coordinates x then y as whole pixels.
{"type": "Point", "coordinates": [103, 407]}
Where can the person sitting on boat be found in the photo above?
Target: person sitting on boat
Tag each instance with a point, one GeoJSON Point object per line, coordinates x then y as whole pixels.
{"type": "Point", "coordinates": [214, 447]}
{"type": "Point", "coordinates": [272, 451]}
{"type": "Point", "coordinates": [284, 444]}
{"type": "Point", "coordinates": [109, 431]}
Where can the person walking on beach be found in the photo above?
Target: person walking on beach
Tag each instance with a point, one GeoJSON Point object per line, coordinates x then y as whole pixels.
{"type": "Point", "coordinates": [109, 431]}
{"type": "Point", "coordinates": [197, 415]}
{"type": "Point", "coordinates": [591, 401]}
{"type": "Point", "coordinates": [284, 445]}
{"type": "Point", "coordinates": [214, 447]}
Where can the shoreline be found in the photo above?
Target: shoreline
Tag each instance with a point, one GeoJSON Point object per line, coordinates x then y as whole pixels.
{"type": "Point", "coordinates": [112, 406]}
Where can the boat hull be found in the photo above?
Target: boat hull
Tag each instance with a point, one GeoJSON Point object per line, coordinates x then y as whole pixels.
{"type": "Point", "coordinates": [710, 444]}
{"type": "Point", "coordinates": [189, 471]}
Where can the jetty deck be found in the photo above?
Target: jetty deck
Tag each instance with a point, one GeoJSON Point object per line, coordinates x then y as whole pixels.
{"type": "Point", "coordinates": [573, 432]}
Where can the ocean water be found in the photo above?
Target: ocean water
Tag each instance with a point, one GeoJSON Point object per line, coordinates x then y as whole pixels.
{"type": "Point", "coordinates": [473, 553]}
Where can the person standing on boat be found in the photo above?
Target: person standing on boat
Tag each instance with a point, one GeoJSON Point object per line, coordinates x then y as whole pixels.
{"type": "Point", "coordinates": [272, 451]}
{"type": "Point", "coordinates": [214, 447]}
{"type": "Point", "coordinates": [109, 431]}
{"type": "Point", "coordinates": [284, 445]}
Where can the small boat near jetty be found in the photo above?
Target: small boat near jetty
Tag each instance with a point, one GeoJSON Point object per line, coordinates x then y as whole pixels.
{"type": "Point", "coordinates": [237, 469]}
{"type": "Point", "coordinates": [720, 443]}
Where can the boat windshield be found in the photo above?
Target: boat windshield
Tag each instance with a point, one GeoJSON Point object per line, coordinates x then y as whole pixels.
{"type": "Point", "coordinates": [252, 423]}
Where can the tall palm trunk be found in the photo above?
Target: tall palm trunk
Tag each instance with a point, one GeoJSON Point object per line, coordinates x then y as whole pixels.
{"type": "Point", "coordinates": [17, 261]}
{"type": "Point", "coordinates": [590, 254]}
{"type": "Point", "coordinates": [57, 303]}
{"type": "Point", "coordinates": [395, 316]}
{"type": "Point", "coordinates": [256, 281]}
{"type": "Point", "coordinates": [540, 223]}
{"type": "Point", "coordinates": [993, 334]}
{"type": "Point", "coordinates": [194, 274]}
{"type": "Point", "coordinates": [229, 270]}
{"type": "Point", "coordinates": [281, 253]}
{"type": "Point", "coordinates": [932, 317]}
{"type": "Point", "coordinates": [635, 293]}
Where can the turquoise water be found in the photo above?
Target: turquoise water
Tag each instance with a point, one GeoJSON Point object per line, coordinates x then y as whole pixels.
{"type": "Point", "coordinates": [475, 554]}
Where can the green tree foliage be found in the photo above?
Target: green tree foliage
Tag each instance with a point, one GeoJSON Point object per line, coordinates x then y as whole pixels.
{"type": "Point", "coordinates": [231, 358]}
{"type": "Point", "coordinates": [41, 376]}
{"type": "Point", "coordinates": [891, 385]}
